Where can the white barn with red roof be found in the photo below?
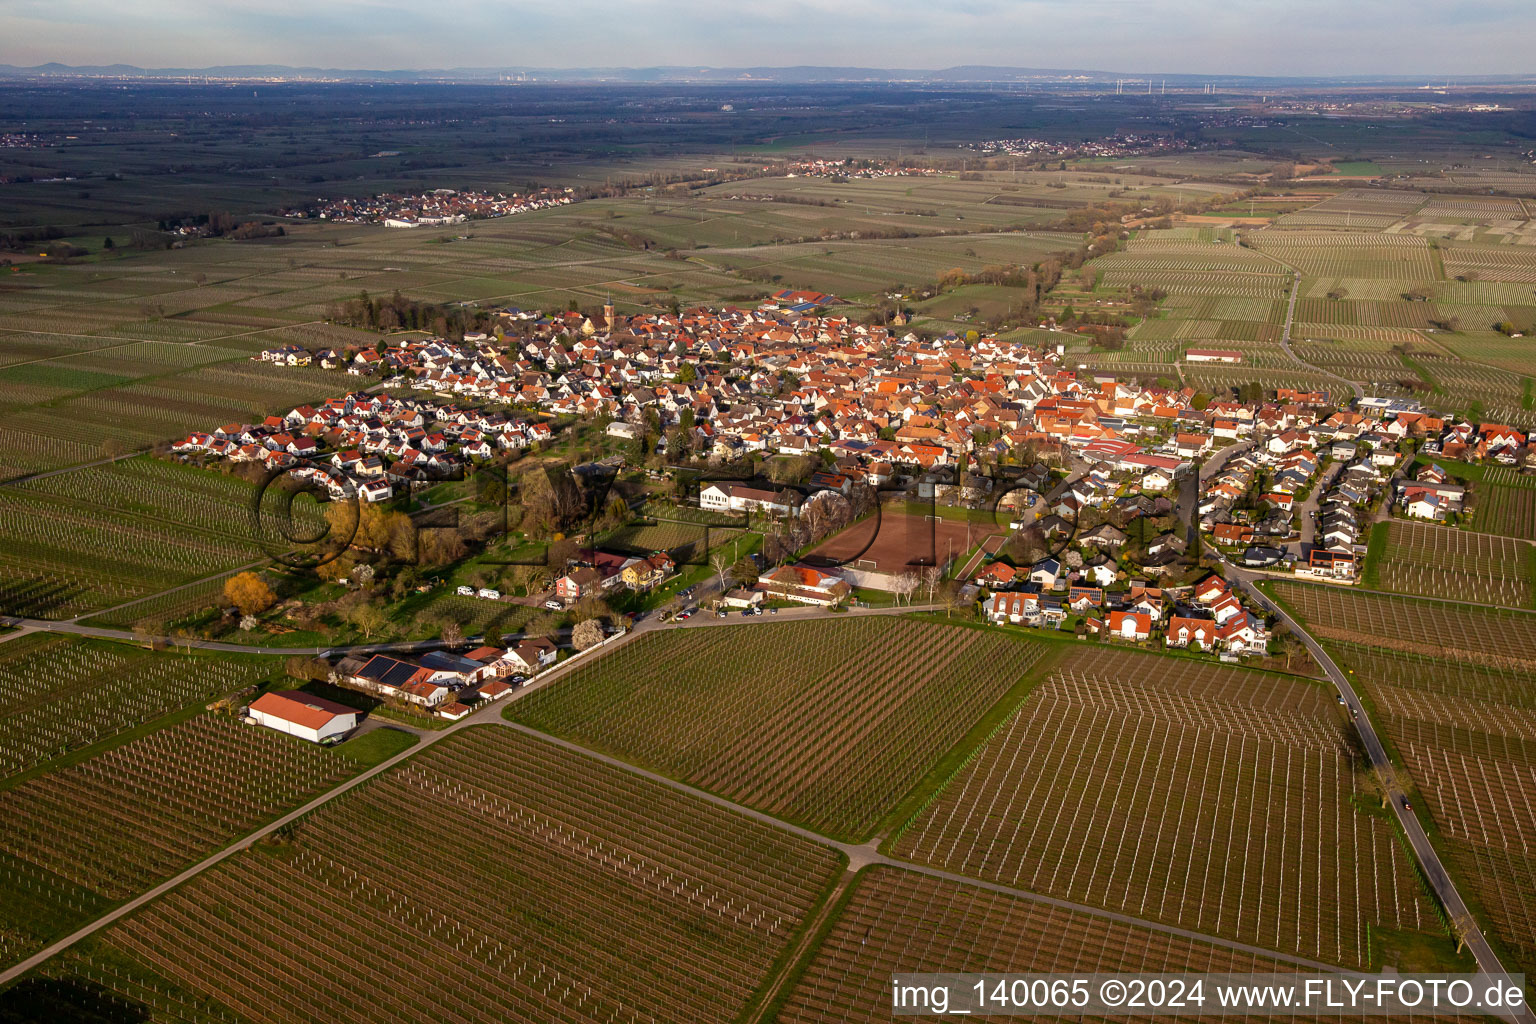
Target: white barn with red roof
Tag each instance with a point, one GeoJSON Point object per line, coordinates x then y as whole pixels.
{"type": "Point", "coordinates": [303, 715]}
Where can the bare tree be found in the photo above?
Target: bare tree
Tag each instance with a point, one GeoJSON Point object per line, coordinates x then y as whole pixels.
{"type": "Point", "coordinates": [932, 575]}
{"type": "Point", "coordinates": [903, 586]}
{"type": "Point", "coordinates": [369, 618]}
{"type": "Point", "coordinates": [721, 560]}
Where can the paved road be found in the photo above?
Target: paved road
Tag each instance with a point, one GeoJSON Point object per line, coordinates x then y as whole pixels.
{"type": "Point", "coordinates": [1429, 858]}
{"type": "Point", "coordinates": [215, 645]}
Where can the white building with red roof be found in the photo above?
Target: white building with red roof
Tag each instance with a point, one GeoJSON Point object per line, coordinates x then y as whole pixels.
{"type": "Point", "coordinates": [303, 715]}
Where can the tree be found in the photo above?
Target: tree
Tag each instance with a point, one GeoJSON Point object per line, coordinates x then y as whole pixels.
{"type": "Point", "coordinates": [452, 633]}
{"type": "Point", "coordinates": [952, 593]}
{"type": "Point", "coordinates": [544, 625]}
{"type": "Point", "coordinates": [744, 571]}
{"type": "Point", "coordinates": [249, 593]}
{"type": "Point", "coordinates": [721, 562]}
{"type": "Point", "coordinates": [146, 631]}
{"type": "Point", "coordinates": [307, 669]}
{"type": "Point", "coordinates": [932, 575]}
{"type": "Point", "coordinates": [369, 618]}
{"type": "Point", "coordinates": [335, 570]}
{"type": "Point", "coordinates": [587, 634]}
{"type": "Point", "coordinates": [903, 586]}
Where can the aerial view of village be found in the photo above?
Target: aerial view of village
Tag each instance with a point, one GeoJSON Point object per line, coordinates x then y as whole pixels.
{"type": "Point", "coordinates": [630, 540]}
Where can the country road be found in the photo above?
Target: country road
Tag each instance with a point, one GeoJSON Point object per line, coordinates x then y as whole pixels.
{"type": "Point", "coordinates": [1429, 859]}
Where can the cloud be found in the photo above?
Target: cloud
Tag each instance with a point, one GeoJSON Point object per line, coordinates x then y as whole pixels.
{"type": "Point", "coordinates": [1211, 36]}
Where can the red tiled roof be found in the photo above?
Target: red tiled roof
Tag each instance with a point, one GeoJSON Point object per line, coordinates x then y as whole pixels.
{"type": "Point", "coordinates": [300, 708]}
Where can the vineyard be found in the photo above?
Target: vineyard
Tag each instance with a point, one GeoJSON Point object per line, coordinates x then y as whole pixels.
{"type": "Point", "coordinates": [77, 541]}
{"type": "Point", "coordinates": [1506, 504]}
{"type": "Point", "coordinates": [1485, 636]}
{"type": "Point", "coordinates": [58, 694]}
{"type": "Point", "coordinates": [682, 540]}
{"type": "Point", "coordinates": [825, 722]}
{"type": "Point", "coordinates": [898, 921]}
{"type": "Point", "coordinates": [1217, 799]}
{"type": "Point", "coordinates": [1466, 733]}
{"type": "Point", "coordinates": [579, 892]}
{"type": "Point", "coordinates": [1439, 561]}
{"type": "Point", "coordinates": [113, 825]}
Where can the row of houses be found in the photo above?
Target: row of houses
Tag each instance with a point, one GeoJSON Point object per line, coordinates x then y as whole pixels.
{"type": "Point", "coordinates": [442, 681]}
{"type": "Point", "coordinates": [1213, 619]}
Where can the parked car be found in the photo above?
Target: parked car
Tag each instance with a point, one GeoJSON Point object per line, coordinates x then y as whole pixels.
{"type": "Point", "coordinates": [554, 604]}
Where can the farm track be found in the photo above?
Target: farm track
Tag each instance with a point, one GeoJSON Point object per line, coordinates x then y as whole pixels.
{"type": "Point", "coordinates": [1285, 331]}
{"type": "Point", "coordinates": [859, 856]}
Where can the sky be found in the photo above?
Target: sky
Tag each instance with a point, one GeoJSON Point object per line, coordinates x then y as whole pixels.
{"type": "Point", "coordinates": [1256, 37]}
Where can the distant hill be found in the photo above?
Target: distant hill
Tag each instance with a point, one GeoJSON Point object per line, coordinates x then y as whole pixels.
{"type": "Point", "coordinates": [802, 74]}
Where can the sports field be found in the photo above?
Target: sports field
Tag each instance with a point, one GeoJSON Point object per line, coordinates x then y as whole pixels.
{"type": "Point", "coordinates": [896, 542]}
{"type": "Point", "coordinates": [826, 722]}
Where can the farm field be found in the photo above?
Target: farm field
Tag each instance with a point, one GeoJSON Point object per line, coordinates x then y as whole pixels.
{"type": "Point", "coordinates": [91, 835]}
{"type": "Point", "coordinates": [61, 693]}
{"type": "Point", "coordinates": [687, 891]}
{"type": "Point", "coordinates": [898, 921]}
{"type": "Point", "coordinates": [1441, 561]}
{"type": "Point", "coordinates": [1488, 636]}
{"type": "Point", "coordinates": [1506, 504]}
{"type": "Point", "coordinates": [1460, 716]}
{"type": "Point", "coordinates": [1222, 800]}
{"type": "Point", "coordinates": [824, 722]}
{"type": "Point", "coordinates": [103, 535]}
